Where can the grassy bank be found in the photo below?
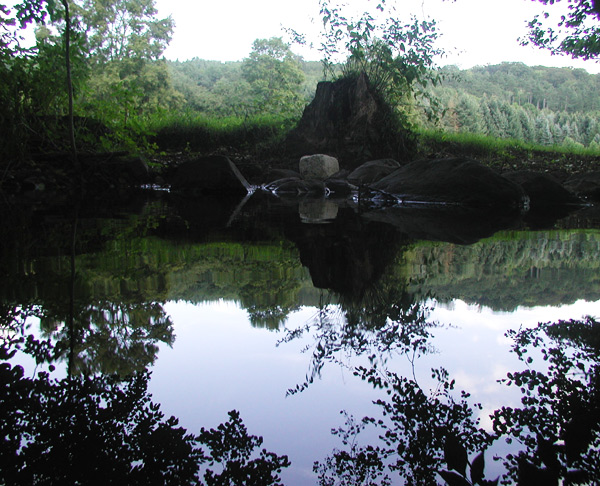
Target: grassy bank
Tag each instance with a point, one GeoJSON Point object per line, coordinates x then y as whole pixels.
{"type": "Point", "coordinates": [508, 154]}
{"type": "Point", "coordinates": [188, 131]}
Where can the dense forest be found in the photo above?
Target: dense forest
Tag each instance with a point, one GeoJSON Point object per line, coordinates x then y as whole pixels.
{"type": "Point", "coordinates": [541, 105]}
{"type": "Point", "coordinates": [102, 64]}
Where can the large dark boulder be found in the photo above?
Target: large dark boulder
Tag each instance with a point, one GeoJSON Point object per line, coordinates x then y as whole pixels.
{"type": "Point", "coordinates": [460, 181]}
{"type": "Point", "coordinates": [214, 175]}
{"type": "Point", "coordinates": [348, 119]}
{"type": "Point", "coordinates": [276, 174]}
{"type": "Point", "coordinates": [543, 190]}
{"type": "Point", "coordinates": [585, 185]}
{"type": "Point", "coordinates": [373, 171]}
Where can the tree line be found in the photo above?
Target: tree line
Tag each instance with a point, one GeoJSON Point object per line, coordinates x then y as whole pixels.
{"type": "Point", "coordinates": [119, 77]}
{"type": "Point", "coordinates": [540, 105]}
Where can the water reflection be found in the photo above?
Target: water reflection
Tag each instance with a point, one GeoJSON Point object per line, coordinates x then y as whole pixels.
{"type": "Point", "coordinates": [424, 436]}
{"type": "Point", "coordinates": [342, 308]}
{"type": "Point", "coordinates": [105, 429]}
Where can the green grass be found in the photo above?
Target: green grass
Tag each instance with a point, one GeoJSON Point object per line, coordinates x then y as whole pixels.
{"type": "Point", "coordinates": [195, 132]}
{"type": "Point", "coordinates": [479, 144]}
{"type": "Point", "coordinates": [192, 132]}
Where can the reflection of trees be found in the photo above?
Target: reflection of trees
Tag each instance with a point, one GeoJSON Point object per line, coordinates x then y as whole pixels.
{"type": "Point", "coordinates": [559, 422]}
{"type": "Point", "coordinates": [112, 337]}
{"type": "Point", "coordinates": [425, 436]}
{"type": "Point", "coordinates": [106, 430]}
{"type": "Point", "coordinates": [399, 327]}
{"type": "Point", "coordinates": [268, 317]}
{"type": "Point", "coordinates": [414, 429]}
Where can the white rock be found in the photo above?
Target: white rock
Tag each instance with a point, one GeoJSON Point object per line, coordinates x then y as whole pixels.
{"type": "Point", "coordinates": [318, 166]}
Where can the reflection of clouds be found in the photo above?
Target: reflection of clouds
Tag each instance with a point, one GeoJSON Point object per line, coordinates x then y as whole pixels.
{"type": "Point", "coordinates": [234, 365]}
{"type": "Point", "coordinates": [463, 315]}
{"type": "Point", "coordinates": [473, 347]}
{"type": "Point", "coordinates": [467, 381]}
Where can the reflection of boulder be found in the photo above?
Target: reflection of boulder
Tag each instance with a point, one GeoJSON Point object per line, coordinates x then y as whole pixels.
{"type": "Point", "coordinates": [214, 175]}
{"type": "Point", "coordinates": [455, 181]}
{"type": "Point", "coordinates": [198, 216]}
{"type": "Point", "coordinates": [347, 119]}
{"type": "Point", "coordinates": [347, 256]}
{"type": "Point", "coordinates": [449, 224]}
{"type": "Point", "coordinates": [317, 210]}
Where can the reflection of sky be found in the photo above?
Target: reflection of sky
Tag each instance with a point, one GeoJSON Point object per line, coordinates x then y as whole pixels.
{"type": "Point", "coordinates": [219, 363]}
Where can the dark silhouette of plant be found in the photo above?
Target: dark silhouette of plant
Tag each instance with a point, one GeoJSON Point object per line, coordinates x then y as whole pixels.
{"type": "Point", "coordinates": [356, 464]}
{"type": "Point", "coordinates": [457, 460]}
{"type": "Point", "coordinates": [575, 33]}
{"type": "Point", "coordinates": [231, 447]}
{"type": "Point", "coordinates": [414, 431]}
{"type": "Point", "coordinates": [336, 337]}
{"type": "Point", "coordinates": [559, 421]}
{"type": "Point", "coordinates": [106, 430]}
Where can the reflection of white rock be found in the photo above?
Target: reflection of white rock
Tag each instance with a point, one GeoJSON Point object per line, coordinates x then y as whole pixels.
{"type": "Point", "coordinates": [318, 211]}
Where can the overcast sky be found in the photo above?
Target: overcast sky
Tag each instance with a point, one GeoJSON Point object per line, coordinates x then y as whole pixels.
{"type": "Point", "coordinates": [475, 32]}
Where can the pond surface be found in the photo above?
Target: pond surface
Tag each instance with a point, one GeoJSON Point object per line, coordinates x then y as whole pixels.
{"type": "Point", "coordinates": [303, 317]}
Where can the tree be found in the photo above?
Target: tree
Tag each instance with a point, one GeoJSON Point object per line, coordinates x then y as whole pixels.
{"type": "Point", "coordinates": [275, 76]}
{"type": "Point", "coordinates": [124, 29]}
{"type": "Point", "coordinates": [577, 32]}
{"type": "Point", "coordinates": [397, 56]}
{"type": "Point", "coordinates": [125, 41]}
{"type": "Point", "coordinates": [542, 129]}
{"type": "Point", "coordinates": [37, 11]}
{"type": "Point", "coordinates": [468, 114]}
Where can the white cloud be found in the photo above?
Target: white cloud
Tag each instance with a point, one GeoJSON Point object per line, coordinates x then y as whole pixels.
{"type": "Point", "coordinates": [475, 32]}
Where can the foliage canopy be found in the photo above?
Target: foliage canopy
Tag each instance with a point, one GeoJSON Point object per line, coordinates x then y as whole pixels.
{"type": "Point", "coordinates": [576, 31]}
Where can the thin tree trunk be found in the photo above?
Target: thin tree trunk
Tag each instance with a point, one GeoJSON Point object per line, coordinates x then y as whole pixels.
{"type": "Point", "coordinates": [71, 316]}
{"type": "Point", "coordinates": [74, 157]}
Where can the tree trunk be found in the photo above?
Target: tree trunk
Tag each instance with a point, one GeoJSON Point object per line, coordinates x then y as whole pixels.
{"type": "Point", "coordinates": [74, 157]}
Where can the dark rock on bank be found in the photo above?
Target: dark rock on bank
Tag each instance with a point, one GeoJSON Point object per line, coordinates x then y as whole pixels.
{"type": "Point", "coordinates": [348, 120]}
{"type": "Point", "coordinates": [543, 190]}
{"type": "Point", "coordinates": [460, 181]}
{"type": "Point", "coordinates": [586, 185]}
{"type": "Point", "coordinates": [213, 175]}
{"type": "Point", "coordinates": [373, 171]}
{"type": "Point", "coordinates": [276, 174]}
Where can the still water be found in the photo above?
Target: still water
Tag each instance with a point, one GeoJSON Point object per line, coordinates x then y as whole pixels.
{"type": "Point", "coordinates": [303, 318]}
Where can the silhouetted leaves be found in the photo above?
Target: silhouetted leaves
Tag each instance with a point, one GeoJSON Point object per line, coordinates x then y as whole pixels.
{"type": "Point", "coordinates": [106, 430]}
{"type": "Point", "coordinates": [455, 455]}
{"type": "Point", "coordinates": [231, 447]}
{"type": "Point", "coordinates": [336, 337]}
{"type": "Point", "coordinates": [477, 468]}
{"type": "Point", "coordinates": [418, 433]}
{"type": "Point", "coordinates": [559, 422]}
